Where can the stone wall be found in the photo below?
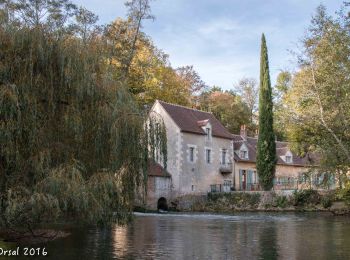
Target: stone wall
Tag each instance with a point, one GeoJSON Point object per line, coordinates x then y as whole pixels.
{"type": "Point", "coordinates": [158, 187]}
{"type": "Point", "coordinates": [173, 144]}
{"type": "Point", "coordinates": [281, 200]}
{"type": "Point", "coordinates": [196, 177]}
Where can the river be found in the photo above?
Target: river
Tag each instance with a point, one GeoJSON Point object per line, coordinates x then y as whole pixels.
{"type": "Point", "coordinates": [210, 236]}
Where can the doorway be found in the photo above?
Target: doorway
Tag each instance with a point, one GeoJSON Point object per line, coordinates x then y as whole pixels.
{"type": "Point", "coordinates": [162, 204]}
{"type": "Point", "coordinates": [244, 180]}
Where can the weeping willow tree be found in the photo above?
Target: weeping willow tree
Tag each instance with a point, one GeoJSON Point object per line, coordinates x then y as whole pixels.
{"type": "Point", "coordinates": [74, 144]}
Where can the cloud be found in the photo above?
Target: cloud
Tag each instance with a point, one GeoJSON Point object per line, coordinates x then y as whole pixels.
{"type": "Point", "coordinates": [221, 38]}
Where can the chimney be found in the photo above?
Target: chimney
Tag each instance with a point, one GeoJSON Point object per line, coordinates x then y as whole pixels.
{"type": "Point", "coordinates": [243, 132]}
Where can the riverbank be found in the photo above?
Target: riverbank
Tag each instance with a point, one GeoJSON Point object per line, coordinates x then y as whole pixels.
{"type": "Point", "coordinates": [265, 201]}
{"type": "Point", "coordinates": [21, 236]}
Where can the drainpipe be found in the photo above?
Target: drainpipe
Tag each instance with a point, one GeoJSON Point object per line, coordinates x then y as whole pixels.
{"type": "Point", "coordinates": [234, 174]}
{"type": "Point", "coordinates": [233, 166]}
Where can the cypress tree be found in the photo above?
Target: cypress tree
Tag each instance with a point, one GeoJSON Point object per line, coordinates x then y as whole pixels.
{"type": "Point", "coordinates": [266, 148]}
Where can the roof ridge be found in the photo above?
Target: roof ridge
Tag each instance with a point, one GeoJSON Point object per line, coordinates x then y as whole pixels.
{"type": "Point", "coordinates": [184, 107]}
{"type": "Point", "coordinates": [252, 137]}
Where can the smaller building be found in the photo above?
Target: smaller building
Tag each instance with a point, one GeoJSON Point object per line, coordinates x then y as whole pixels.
{"type": "Point", "coordinates": [291, 169]}
{"type": "Point", "coordinates": [159, 187]}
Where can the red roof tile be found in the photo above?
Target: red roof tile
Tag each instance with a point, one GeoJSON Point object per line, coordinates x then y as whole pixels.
{"type": "Point", "coordinates": [155, 169]}
{"type": "Point", "coordinates": [191, 120]}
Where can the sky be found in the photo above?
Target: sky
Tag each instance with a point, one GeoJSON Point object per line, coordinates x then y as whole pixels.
{"type": "Point", "coordinates": [221, 38]}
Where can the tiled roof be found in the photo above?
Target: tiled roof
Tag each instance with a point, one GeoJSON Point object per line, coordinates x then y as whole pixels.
{"type": "Point", "coordinates": [281, 150]}
{"type": "Point", "coordinates": [190, 120]}
{"type": "Point", "coordinates": [155, 169]}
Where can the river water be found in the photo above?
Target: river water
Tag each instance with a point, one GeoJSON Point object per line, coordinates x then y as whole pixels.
{"type": "Point", "coordinates": [210, 236]}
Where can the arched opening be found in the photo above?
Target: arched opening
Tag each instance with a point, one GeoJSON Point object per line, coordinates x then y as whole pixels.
{"type": "Point", "coordinates": [162, 204]}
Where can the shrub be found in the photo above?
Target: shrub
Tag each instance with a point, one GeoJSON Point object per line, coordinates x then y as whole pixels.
{"type": "Point", "coordinates": [304, 197]}
{"type": "Point", "coordinates": [281, 201]}
{"type": "Point", "coordinates": [26, 209]}
{"type": "Point", "coordinates": [344, 194]}
{"type": "Point", "coordinates": [326, 202]}
{"type": "Point", "coordinates": [240, 200]}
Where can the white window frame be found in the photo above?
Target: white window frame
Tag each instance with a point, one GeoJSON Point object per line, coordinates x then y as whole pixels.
{"type": "Point", "coordinates": [208, 133]}
{"type": "Point", "coordinates": [191, 154]}
{"type": "Point", "coordinates": [244, 153]}
{"type": "Point", "coordinates": [288, 159]}
{"type": "Point", "coordinates": [290, 156]}
{"type": "Point", "coordinates": [224, 156]}
{"type": "Point", "coordinates": [189, 147]}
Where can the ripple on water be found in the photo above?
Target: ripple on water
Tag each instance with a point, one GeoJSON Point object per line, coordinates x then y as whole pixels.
{"type": "Point", "coordinates": [242, 217]}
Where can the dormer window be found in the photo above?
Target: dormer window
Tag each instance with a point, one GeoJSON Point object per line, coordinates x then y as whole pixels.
{"type": "Point", "coordinates": [243, 154]}
{"type": "Point", "coordinates": [288, 159]}
{"type": "Point", "coordinates": [208, 132]}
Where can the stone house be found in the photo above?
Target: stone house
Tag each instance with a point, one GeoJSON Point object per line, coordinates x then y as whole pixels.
{"type": "Point", "coordinates": [203, 156]}
{"type": "Point", "coordinates": [200, 150]}
{"type": "Point", "coordinates": [291, 169]}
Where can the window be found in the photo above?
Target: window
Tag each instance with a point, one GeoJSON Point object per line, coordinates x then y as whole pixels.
{"type": "Point", "coordinates": [243, 154]}
{"type": "Point", "coordinates": [207, 131]}
{"type": "Point", "coordinates": [208, 155]}
{"type": "Point", "coordinates": [288, 159]}
{"type": "Point", "coordinates": [191, 154]}
{"type": "Point", "coordinates": [223, 156]}
{"type": "Point", "coordinates": [227, 185]}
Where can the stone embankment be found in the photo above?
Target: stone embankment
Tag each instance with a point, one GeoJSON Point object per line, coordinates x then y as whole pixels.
{"type": "Point", "coordinates": [305, 200]}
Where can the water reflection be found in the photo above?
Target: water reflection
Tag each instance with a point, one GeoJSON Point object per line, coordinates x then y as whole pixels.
{"type": "Point", "coordinates": [120, 241]}
{"type": "Point", "coordinates": [243, 236]}
{"type": "Point", "coordinates": [268, 242]}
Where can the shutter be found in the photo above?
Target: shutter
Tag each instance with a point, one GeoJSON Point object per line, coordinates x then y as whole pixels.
{"type": "Point", "coordinates": [240, 179]}
{"type": "Point", "coordinates": [249, 179]}
{"type": "Point", "coordinates": [321, 178]}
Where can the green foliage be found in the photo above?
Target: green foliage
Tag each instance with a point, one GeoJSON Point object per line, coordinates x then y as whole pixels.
{"type": "Point", "coordinates": [280, 90]}
{"type": "Point", "coordinates": [238, 200]}
{"type": "Point", "coordinates": [26, 208]}
{"type": "Point", "coordinates": [326, 201]}
{"type": "Point", "coordinates": [266, 147]}
{"type": "Point", "coordinates": [74, 143]}
{"type": "Point", "coordinates": [150, 75]}
{"type": "Point", "coordinates": [281, 201]}
{"type": "Point", "coordinates": [226, 107]}
{"type": "Point", "coordinates": [344, 193]}
{"type": "Point", "coordinates": [67, 184]}
{"type": "Point", "coordinates": [305, 197]}
{"type": "Point", "coordinates": [315, 108]}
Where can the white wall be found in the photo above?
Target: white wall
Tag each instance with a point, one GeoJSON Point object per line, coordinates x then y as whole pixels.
{"type": "Point", "coordinates": [199, 173]}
